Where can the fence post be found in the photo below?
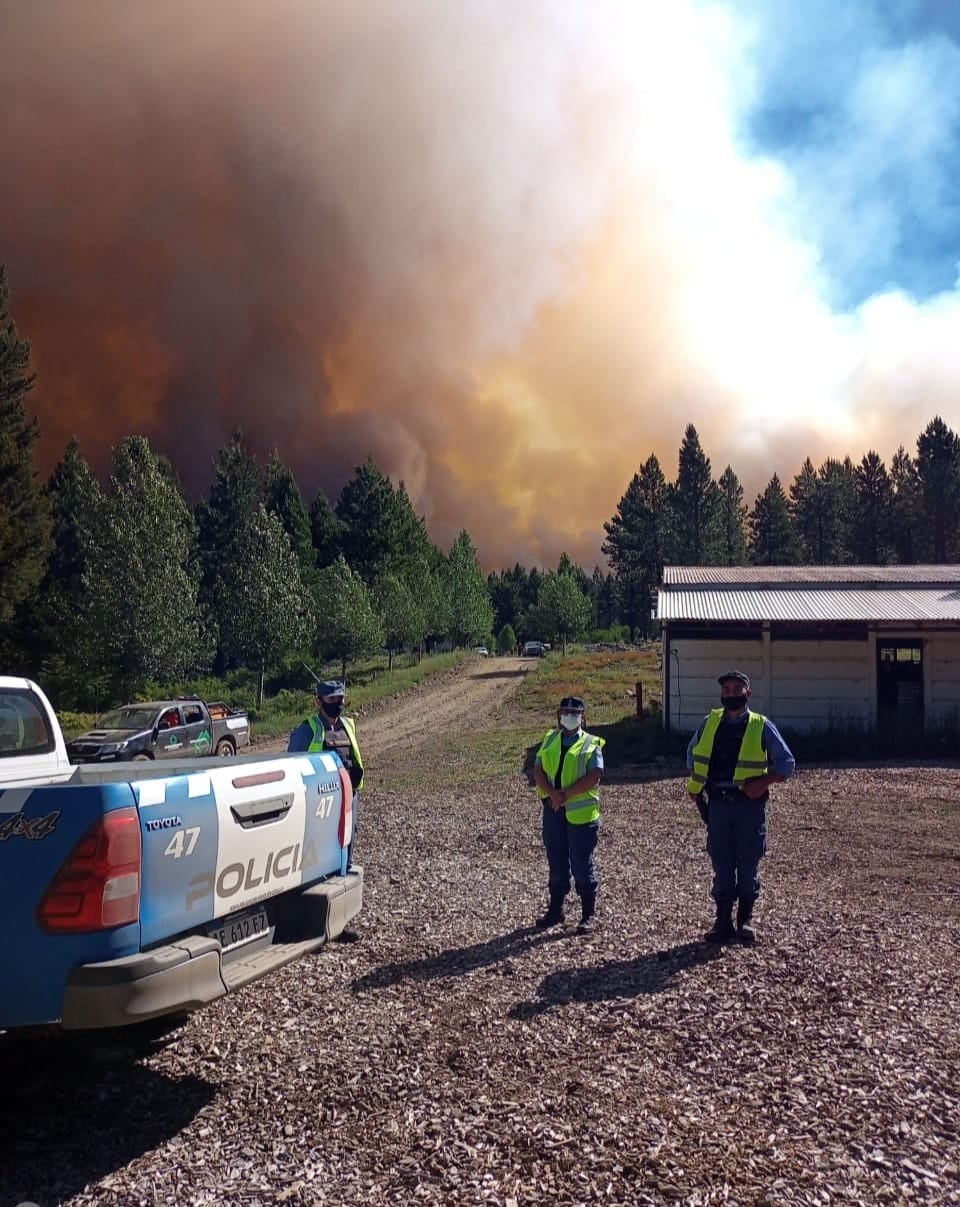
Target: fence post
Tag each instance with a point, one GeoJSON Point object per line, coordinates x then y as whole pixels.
{"type": "Point", "coordinates": [639, 699]}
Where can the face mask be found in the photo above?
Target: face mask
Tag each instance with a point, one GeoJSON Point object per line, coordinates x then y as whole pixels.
{"type": "Point", "coordinates": [333, 709]}
{"type": "Point", "coordinates": [733, 703]}
{"type": "Point", "coordinates": [570, 720]}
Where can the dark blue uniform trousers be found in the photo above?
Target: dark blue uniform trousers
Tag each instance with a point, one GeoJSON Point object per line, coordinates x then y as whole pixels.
{"type": "Point", "coordinates": [569, 849]}
{"type": "Point", "coordinates": [736, 842]}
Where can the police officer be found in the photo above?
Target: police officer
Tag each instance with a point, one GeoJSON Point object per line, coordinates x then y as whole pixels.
{"type": "Point", "coordinates": [567, 772]}
{"type": "Point", "coordinates": [329, 729]}
{"type": "Point", "coordinates": [733, 758]}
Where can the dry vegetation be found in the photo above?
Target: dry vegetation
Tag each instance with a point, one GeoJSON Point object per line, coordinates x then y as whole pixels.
{"type": "Point", "coordinates": [457, 1056]}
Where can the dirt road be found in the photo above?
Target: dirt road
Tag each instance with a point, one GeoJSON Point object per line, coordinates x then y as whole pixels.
{"type": "Point", "coordinates": [442, 703]}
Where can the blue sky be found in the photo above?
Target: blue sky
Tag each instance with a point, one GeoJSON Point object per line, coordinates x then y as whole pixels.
{"type": "Point", "coordinates": [860, 100]}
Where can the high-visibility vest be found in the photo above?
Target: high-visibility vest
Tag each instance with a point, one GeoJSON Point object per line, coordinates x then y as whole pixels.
{"type": "Point", "coordinates": [751, 758]}
{"type": "Point", "coordinates": [585, 806]}
{"type": "Point", "coordinates": [319, 742]}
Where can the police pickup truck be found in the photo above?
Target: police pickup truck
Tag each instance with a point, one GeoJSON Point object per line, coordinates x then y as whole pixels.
{"type": "Point", "coordinates": [163, 729]}
{"type": "Point", "coordinates": [130, 891]}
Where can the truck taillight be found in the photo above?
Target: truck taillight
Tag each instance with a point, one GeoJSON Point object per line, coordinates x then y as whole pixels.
{"type": "Point", "coordinates": [98, 887]}
{"type": "Point", "coordinates": [346, 809]}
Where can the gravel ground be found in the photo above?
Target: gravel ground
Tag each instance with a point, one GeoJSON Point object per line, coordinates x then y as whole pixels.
{"type": "Point", "coordinates": [457, 1056]}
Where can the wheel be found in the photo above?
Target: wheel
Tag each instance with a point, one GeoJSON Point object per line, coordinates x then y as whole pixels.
{"type": "Point", "coordinates": [225, 749]}
{"type": "Point", "coordinates": [141, 758]}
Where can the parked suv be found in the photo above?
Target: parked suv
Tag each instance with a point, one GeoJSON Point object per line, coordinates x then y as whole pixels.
{"type": "Point", "coordinates": [534, 649]}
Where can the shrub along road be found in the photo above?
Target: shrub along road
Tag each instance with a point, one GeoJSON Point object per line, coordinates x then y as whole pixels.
{"type": "Point", "coordinates": [456, 1056]}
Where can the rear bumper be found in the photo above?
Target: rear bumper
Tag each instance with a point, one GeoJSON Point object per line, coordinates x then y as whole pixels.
{"type": "Point", "coordinates": [191, 972]}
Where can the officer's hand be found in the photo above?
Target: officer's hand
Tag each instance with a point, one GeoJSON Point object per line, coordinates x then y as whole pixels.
{"type": "Point", "coordinates": [756, 787]}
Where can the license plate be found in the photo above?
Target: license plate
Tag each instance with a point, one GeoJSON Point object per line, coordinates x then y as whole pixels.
{"type": "Point", "coordinates": [237, 931]}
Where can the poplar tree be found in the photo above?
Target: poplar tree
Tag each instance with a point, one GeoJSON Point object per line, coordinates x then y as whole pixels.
{"type": "Point", "coordinates": [348, 627]}
{"type": "Point", "coordinates": [471, 613]}
{"type": "Point", "coordinates": [563, 608]}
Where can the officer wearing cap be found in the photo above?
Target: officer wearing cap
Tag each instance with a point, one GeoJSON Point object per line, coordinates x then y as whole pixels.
{"type": "Point", "coordinates": [567, 772]}
{"type": "Point", "coordinates": [733, 758]}
{"type": "Point", "coordinates": [329, 729]}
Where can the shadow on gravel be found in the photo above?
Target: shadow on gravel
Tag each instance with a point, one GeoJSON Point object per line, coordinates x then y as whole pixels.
{"type": "Point", "coordinates": [459, 960]}
{"type": "Point", "coordinates": [74, 1110]}
{"type": "Point", "coordinates": [651, 973]}
{"type": "Point", "coordinates": [517, 674]}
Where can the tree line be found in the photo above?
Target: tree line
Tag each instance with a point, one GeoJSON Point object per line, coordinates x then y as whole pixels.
{"type": "Point", "coordinates": [839, 513]}
{"type": "Point", "coordinates": [108, 589]}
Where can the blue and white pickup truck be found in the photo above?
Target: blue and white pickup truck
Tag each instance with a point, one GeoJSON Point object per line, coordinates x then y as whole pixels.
{"type": "Point", "coordinates": [130, 891]}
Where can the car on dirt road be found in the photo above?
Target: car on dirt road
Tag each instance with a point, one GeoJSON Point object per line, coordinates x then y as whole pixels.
{"type": "Point", "coordinates": [163, 729]}
{"type": "Point", "coordinates": [534, 649]}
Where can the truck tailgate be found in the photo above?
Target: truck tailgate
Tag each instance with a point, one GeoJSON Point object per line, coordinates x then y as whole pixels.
{"type": "Point", "coordinates": [39, 828]}
{"type": "Point", "coordinates": [219, 840]}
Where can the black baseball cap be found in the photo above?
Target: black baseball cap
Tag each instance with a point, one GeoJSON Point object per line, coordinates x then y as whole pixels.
{"type": "Point", "coordinates": [572, 704]}
{"type": "Point", "coordinates": [738, 675]}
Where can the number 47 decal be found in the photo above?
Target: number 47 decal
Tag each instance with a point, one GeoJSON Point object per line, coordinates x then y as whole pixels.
{"type": "Point", "coordinates": [325, 805]}
{"type": "Point", "coordinates": [181, 839]}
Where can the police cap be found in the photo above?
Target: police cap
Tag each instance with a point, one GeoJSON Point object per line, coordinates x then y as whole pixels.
{"type": "Point", "coordinates": [572, 704]}
{"type": "Point", "coordinates": [330, 687]}
{"type": "Point", "coordinates": [738, 675]}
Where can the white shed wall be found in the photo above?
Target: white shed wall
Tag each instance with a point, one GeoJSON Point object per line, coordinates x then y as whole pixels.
{"type": "Point", "coordinates": [941, 664]}
{"type": "Point", "coordinates": [806, 685]}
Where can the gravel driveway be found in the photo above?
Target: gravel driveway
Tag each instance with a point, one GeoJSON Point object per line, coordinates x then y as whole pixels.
{"type": "Point", "coordinates": [457, 1056]}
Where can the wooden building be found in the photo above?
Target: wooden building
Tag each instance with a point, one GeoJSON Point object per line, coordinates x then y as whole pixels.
{"type": "Point", "coordinates": [859, 646]}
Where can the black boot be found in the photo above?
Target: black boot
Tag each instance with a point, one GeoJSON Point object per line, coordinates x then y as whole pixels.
{"type": "Point", "coordinates": [588, 901]}
{"type": "Point", "coordinates": [723, 931]}
{"type": "Point", "coordinates": [745, 931]}
{"type": "Point", "coordinates": [554, 914]}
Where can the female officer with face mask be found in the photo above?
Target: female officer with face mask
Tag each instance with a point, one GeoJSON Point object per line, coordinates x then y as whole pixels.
{"type": "Point", "coordinates": [568, 769]}
{"type": "Point", "coordinates": [733, 758]}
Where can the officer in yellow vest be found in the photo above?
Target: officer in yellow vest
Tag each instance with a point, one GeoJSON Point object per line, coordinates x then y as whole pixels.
{"type": "Point", "coordinates": [733, 758]}
{"type": "Point", "coordinates": [567, 772]}
{"type": "Point", "coordinates": [329, 729]}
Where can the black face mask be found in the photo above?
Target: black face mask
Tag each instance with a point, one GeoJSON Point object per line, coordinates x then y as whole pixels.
{"type": "Point", "coordinates": [332, 710]}
{"type": "Point", "coordinates": [733, 703]}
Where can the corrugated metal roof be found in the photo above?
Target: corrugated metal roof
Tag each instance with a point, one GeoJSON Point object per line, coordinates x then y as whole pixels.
{"type": "Point", "coordinates": [889, 576]}
{"type": "Point", "coordinates": [817, 604]}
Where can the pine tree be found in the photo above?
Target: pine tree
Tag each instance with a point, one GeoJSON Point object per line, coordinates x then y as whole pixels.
{"type": "Point", "coordinates": [223, 523]}
{"type": "Point", "coordinates": [367, 509]}
{"type": "Point", "coordinates": [938, 469]}
{"type": "Point", "coordinates": [695, 502]}
{"type": "Point", "coordinates": [282, 498]}
{"type": "Point", "coordinates": [24, 515]}
{"type": "Point", "coordinates": [326, 531]}
{"type": "Point", "coordinates": [62, 606]}
{"type": "Point", "coordinates": [806, 514]}
{"type": "Point", "coordinates": [872, 535]}
{"type": "Point", "coordinates": [639, 540]}
{"type": "Point", "coordinates": [906, 523]}
{"type": "Point", "coordinates": [772, 539]}
{"type": "Point", "coordinates": [732, 541]}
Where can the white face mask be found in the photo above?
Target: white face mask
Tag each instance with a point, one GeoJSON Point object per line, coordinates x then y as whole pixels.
{"type": "Point", "coordinates": [570, 720]}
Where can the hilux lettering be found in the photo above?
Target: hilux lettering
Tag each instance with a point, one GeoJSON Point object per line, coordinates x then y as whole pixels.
{"type": "Point", "coordinates": [237, 877]}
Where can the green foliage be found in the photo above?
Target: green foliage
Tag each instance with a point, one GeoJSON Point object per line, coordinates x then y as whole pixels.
{"type": "Point", "coordinates": [871, 535]}
{"type": "Point", "coordinates": [142, 599]}
{"type": "Point", "coordinates": [563, 608]}
{"type": "Point", "coordinates": [732, 516]}
{"type": "Point", "coordinates": [400, 611]}
{"type": "Point", "coordinates": [349, 627]}
{"type": "Point", "coordinates": [938, 470]}
{"type": "Point", "coordinates": [506, 640]}
{"type": "Point", "coordinates": [282, 498]}
{"type": "Point", "coordinates": [696, 507]}
{"type": "Point", "coordinates": [24, 519]}
{"type": "Point", "coordinates": [471, 613]}
{"type": "Point", "coordinates": [326, 531]}
{"type": "Point", "coordinates": [367, 509]}
{"type": "Point", "coordinates": [263, 608]}
{"type": "Point", "coordinates": [639, 536]}
{"type": "Point", "coordinates": [772, 541]}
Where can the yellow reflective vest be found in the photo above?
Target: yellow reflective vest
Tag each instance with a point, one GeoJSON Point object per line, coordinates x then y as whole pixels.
{"type": "Point", "coordinates": [319, 742]}
{"type": "Point", "coordinates": [585, 806]}
{"type": "Point", "coordinates": [751, 759]}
